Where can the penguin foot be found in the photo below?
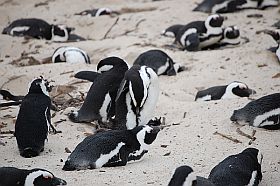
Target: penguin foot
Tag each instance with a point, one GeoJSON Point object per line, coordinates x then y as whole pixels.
{"type": "Point", "coordinates": [29, 152]}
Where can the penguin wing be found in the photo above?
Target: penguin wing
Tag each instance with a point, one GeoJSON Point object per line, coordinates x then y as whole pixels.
{"type": "Point", "coordinates": [87, 75]}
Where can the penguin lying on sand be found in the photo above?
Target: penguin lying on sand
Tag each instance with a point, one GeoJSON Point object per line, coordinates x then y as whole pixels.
{"type": "Point", "coordinates": [111, 148]}
{"type": "Point", "coordinates": [96, 12]}
{"type": "Point", "coordinates": [240, 169]}
{"type": "Point", "coordinates": [34, 119]}
{"type": "Point", "coordinates": [11, 176]}
{"type": "Point", "coordinates": [184, 176]}
{"type": "Point", "coordinates": [263, 112]}
{"type": "Point", "coordinates": [70, 55]}
{"type": "Point", "coordinates": [172, 31]}
{"type": "Point", "coordinates": [39, 29]}
{"type": "Point", "coordinates": [275, 34]}
{"type": "Point", "coordinates": [12, 99]}
{"type": "Point", "coordinates": [99, 103]}
{"type": "Point", "coordinates": [159, 61]}
{"type": "Point", "coordinates": [232, 90]}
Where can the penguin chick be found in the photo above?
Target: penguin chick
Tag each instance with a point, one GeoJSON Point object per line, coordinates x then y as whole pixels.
{"type": "Point", "coordinates": [34, 119]}
{"type": "Point", "coordinates": [39, 29]}
{"type": "Point", "coordinates": [159, 61]}
{"type": "Point", "coordinates": [96, 12]}
{"type": "Point", "coordinates": [232, 90]}
{"type": "Point", "coordinates": [263, 112]}
{"type": "Point", "coordinates": [240, 169]}
{"type": "Point", "coordinates": [136, 98]}
{"type": "Point", "coordinates": [11, 176]}
{"type": "Point", "coordinates": [70, 55]}
{"type": "Point", "coordinates": [111, 148]}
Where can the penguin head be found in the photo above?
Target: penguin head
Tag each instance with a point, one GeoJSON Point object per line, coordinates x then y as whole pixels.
{"type": "Point", "coordinates": [254, 153]}
{"type": "Point", "coordinates": [40, 177]}
{"type": "Point", "coordinates": [145, 134]}
{"type": "Point", "coordinates": [108, 63]}
{"type": "Point", "coordinates": [39, 86]}
{"type": "Point", "coordinates": [183, 176]}
{"type": "Point", "coordinates": [231, 35]}
{"type": "Point", "coordinates": [239, 89]}
{"type": "Point", "coordinates": [214, 21]}
{"type": "Point", "coordinates": [60, 33]}
{"type": "Point", "coordinates": [58, 55]}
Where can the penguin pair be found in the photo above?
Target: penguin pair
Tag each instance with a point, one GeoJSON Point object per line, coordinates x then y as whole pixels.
{"type": "Point", "coordinates": [39, 29]}
{"type": "Point", "coordinates": [275, 34]}
{"type": "Point", "coordinates": [232, 90]}
{"type": "Point", "coordinates": [263, 112]}
{"type": "Point", "coordinates": [96, 12]}
{"type": "Point", "coordinates": [70, 55]}
{"type": "Point", "coordinates": [112, 148]}
{"type": "Point", "coordinates": [34, 120]}
{"type": "Point", "coordinates": [236, 170]}
{"type": "Point", "coordinates": [160, 62]}
{"type": "Point", "coordinates": [11, 176]}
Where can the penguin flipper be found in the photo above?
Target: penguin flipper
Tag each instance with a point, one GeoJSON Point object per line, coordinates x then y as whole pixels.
{"type": "Point", "coordinates": [87, 75]}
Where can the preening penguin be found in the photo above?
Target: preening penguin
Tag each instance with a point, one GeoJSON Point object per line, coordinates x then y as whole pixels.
{"type": "Point", "coordinates": [159, 61]}
{"type": "Point", "coordinates": [240, 169]}
{"type": "Point", "coordinates": [99, 103]}
{"type": "Point", "coordinates": [263, 112]}
{"type": "Point", "coordinates": [137, 97]}
{"type": "Point", "coordinates": [11, 176]}
{"type": "Point", "coordinates": [232, 90]}
{"type": "Point", "coordinates": [96, 12]}
{"type": "Point", "coordinates": [70, 55]}
{"type": "Point", "coordinates": [39, 29]}
{"type": "Point", "coordinates": [111, 148]}
{"type": "Point", "coordinates": [34, 119]}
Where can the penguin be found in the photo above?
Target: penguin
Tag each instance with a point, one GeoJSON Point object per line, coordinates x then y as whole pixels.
{"type": "Point", "coordinates": [263, 112]}
{"type": "Point", "coordinates": [172, 31]}
{"type": "Point", "coordinates": [11, 99]}
{"type": "Point", "coordinates": [70, 55]}
{"type": "Point", "coordinates": [11, 176]}
{"type": "Point", "coordinates": [240, 169]}
{"type": "Point", "coordinates": [159, 61]}
{"type": "Point", "coordinates": [96, 12]}
{"type": "Point", "coordinates": [275, 34]}
{"type": "Point", "coordinates": [219, 6]}
{"type": "Point", "coordinates": [259, 4]}
{"type": "Point", "coordinates": [136, 98]}
{"type": "Point", "coordinates": [200, 34]}
{"type": "Point", "coordinates": [184, 176]}
{"type": "Point", "coordinates": [99, 103]}
{"type": "Point", "coordinates": [39, 29]}
{"type": "Point", "coordinates": [233, 90]}
{"type": "Point", "coordinates": [112, 148]}
{"type": "Point", "coordinates": [34, 119]}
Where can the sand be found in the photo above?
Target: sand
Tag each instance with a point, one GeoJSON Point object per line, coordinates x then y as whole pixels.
{"type": "Point", "coordinates": [191, 141]}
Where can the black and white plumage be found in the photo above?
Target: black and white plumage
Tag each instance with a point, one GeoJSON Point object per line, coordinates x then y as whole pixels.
{"type": "Point", "coordinates": [233, 90]}
{"type": "Point", "coordinates": [259, 4]}
{"type": "Point", "coordinates": [172, 31]}
{"type": "Point", "coordinates": [200, 34]}
{"type": "Point", "coordinates": [275, 34]}
{"type": "Point", "coordinates": [99, 103]}
{"type": "Point", "coordinates": [159, 61]}
{"type": "Point", "coordinates": [184, 176]}
{"type": "Point", "coordinates": [34, 119]}
{"type": "Point", "coordinates": [9, 98]}
{"type": "Point", "coordinates": [112, 148]}
{"type": "Point", "coordinates": [263, 112]}
{"type": "Point", "coordinates": [11, 176]}
{"type": "Point", "coordinates": [70, 55]}
{"type": "Point", "coordinates": [96, 12]}
{"type": "Point", "coordinates": [39, 29]}
{"type": "Point", "coordinates": [137, 97]}
{"type": "Point", "coordinates": [240, 169]}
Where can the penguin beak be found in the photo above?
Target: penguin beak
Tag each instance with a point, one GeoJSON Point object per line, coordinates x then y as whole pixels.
{"type": "Point", "coordinates": [58, 181]}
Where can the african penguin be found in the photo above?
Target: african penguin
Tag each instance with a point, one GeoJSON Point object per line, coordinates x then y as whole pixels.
{"type": "Point", "coordinates": [136, 98]}
{"type": "Point", "coordinates": [263, 112]}
{"type": "Point", "coordinates": [240, 169]}
{"type": "Point", "coordinates": [70, 55]}
{"type": "Point", "coordinates": [275, 34]}
{"type": "Point", "coordinates": [111, 148]}
{"type": "Point", "coordinates": [11, 176]}
{"type": "Point", "coordinates": [259, 4]}
{"type": "Point", "coordinates": [10, 98]}
{"type": "Point", "coordinates": [96, 12]}
{"type": "Point", "coordinates": [219, 6]}
{"type": "Point", "coordinates": [99, 103]}
{"type": "Point", "coordinates": [200, 34]}
{"type": "Point", "coordinates": [34, 119]}
{"type": "Point", "coordinates": [39, 29]}
{"type": "Point", "coordinates": [232, 90]}
{"type": "Point", "coordinates": [184, 176]}
{"type": "Point", "coordinates": [172, 31]}
{"type": "Point", "coordinates": [159, 61]}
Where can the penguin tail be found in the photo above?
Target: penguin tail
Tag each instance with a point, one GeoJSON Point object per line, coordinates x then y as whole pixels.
{"type": "Point", "coordinates": [29, 152]}
{"type": "Point", "coordinates": [68, 166]}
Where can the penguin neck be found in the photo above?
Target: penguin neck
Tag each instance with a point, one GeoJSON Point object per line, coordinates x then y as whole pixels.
{"type": "Point", "coordinates": [228, 92]}
{"type": "Point", "coordinates": [58, 38]}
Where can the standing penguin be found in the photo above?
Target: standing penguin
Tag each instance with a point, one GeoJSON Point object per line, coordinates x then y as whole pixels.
{"type": "Point", "coordinates": [99, 103]}
{"type": "Point", "coordinates": [111, 148]}
{"type": "Point", "coordinates": [11, 176]}
{"type": "Point", "coordinates": [34, 119]}
{"type": "Point", "coordinates": [275, 34]}
{"type": "Point", "coordinates": [159, 61]}
{"type": "Point", "coordinates": [184, 176]}
{"type": "Point", "coordinates": [70, 55]}
{"type": "Point", "coordinates": [39, 29]}
{"type": "Point", "coordinates": [96, 12]}
{"type": "Point", "coordinates": [232, 90]}
{"type": "Point", "coordinates": [263, 112]}
{"type": "Point", "coordinates": [137, 97]}
{"type": "Point", "coordinates": [240, 169]}
{"type": "Point", "coordinates": [200, 34]}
